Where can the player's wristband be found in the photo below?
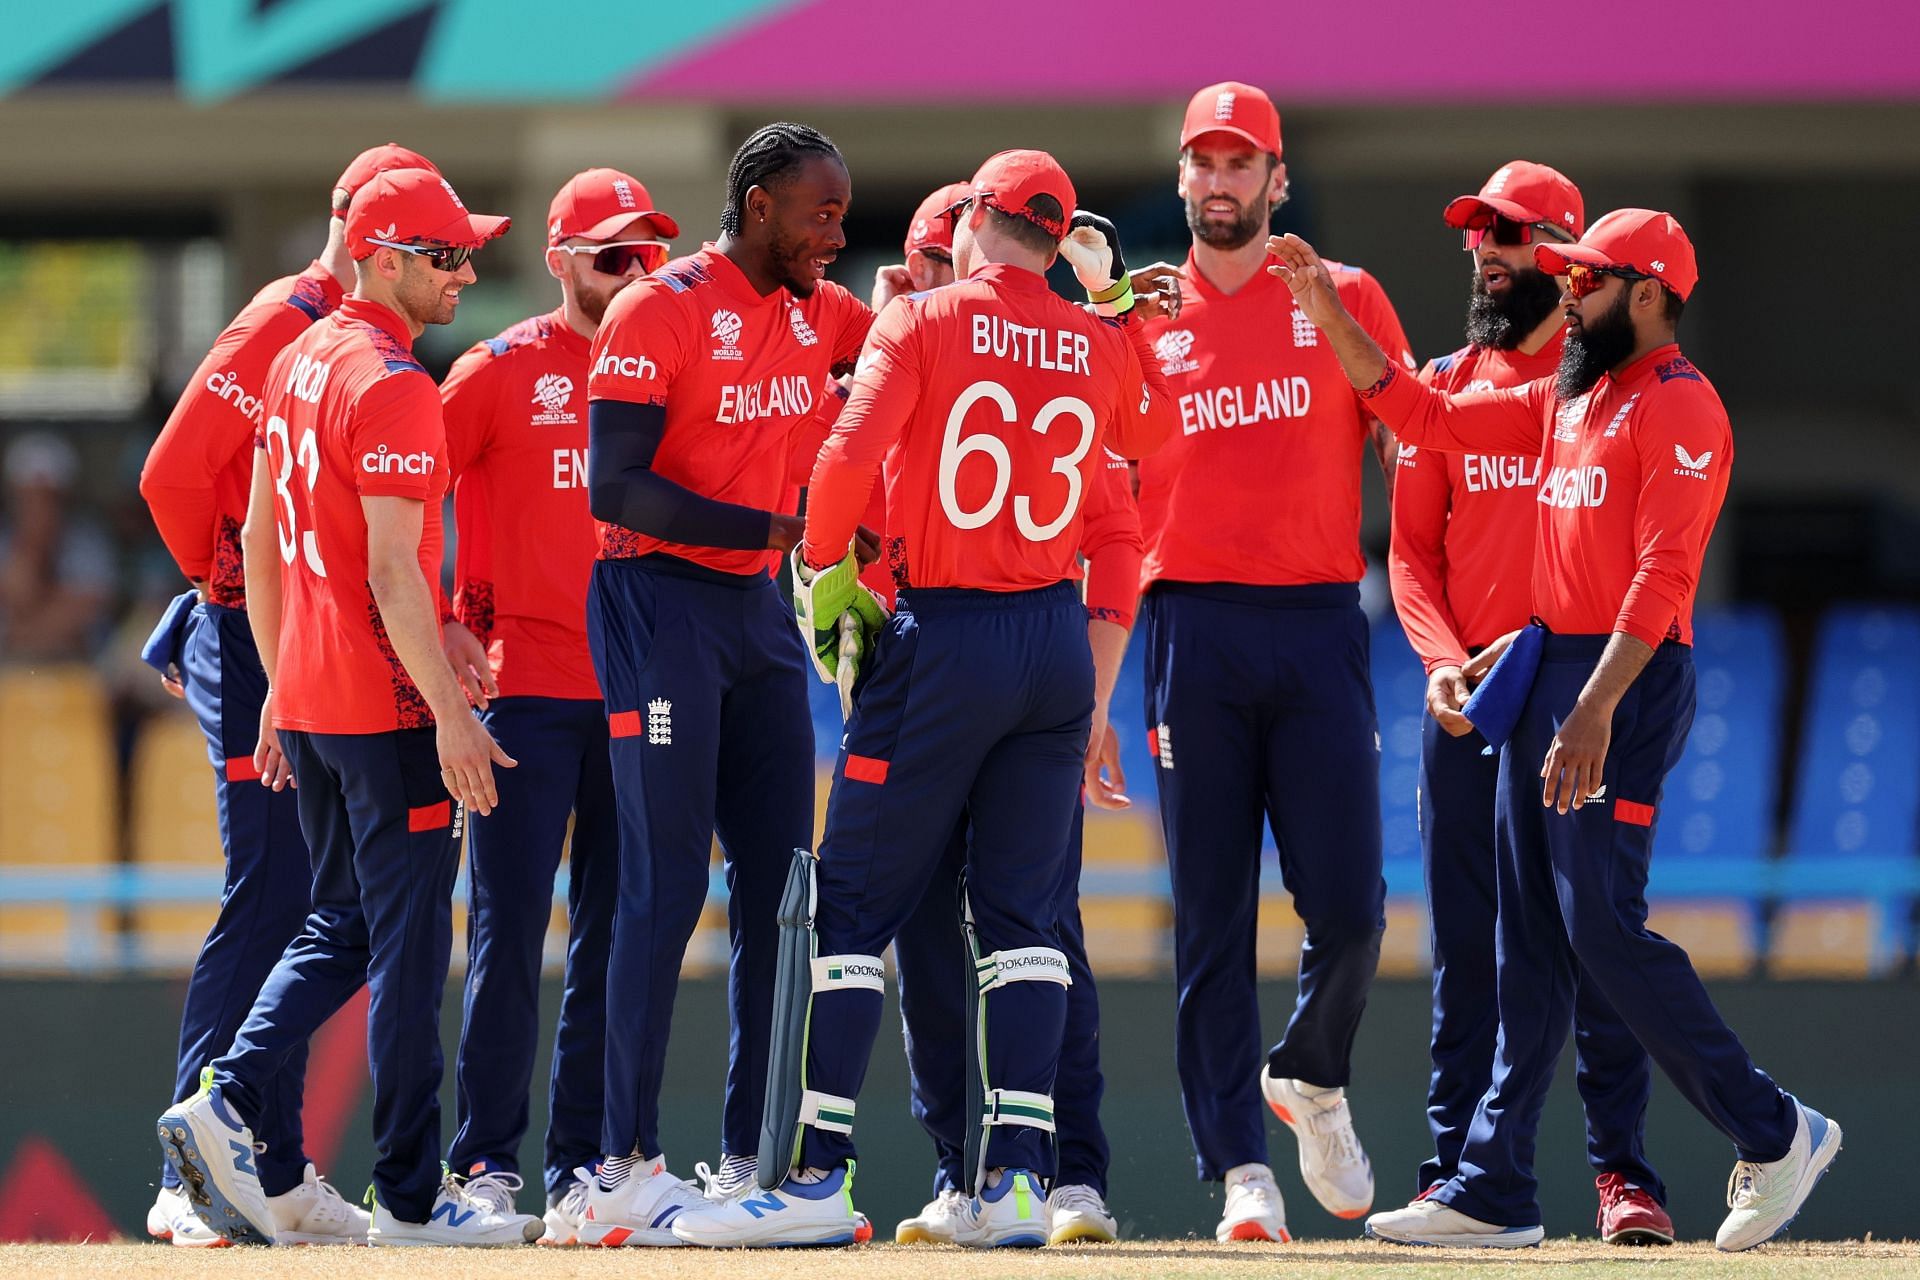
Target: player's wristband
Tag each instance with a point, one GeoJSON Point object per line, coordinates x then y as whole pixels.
{"type": "Point", "coordinates": [1114, 300]}
{"type": "Point", "coordinates": [1385, 381]}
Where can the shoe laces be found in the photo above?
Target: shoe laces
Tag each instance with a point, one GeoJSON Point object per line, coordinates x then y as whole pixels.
{"type": "Point", "coordinates": [573, 1201]}
{"type": "Point", "coordinates": [328, 1203]}
{"type": "Point", "coordinates": [1333, 1126]}
{"type": "Point", "coordinates": [1078, 1198]}
{"type": "Point", "coordinates": [950, 1203]}
{"type": "Point", "coordinates": [1746, 1184]}
{"type": "Point", "coordinates": [492, 1191]}
{"type": "Point", "coordinates": [735, 1176]}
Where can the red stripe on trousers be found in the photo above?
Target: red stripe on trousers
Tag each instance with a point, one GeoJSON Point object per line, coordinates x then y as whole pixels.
{"type": "Point", "coordinates": [624, 724]}
{"type": "Point", "coordinates": [430, 817]}
{"type": "Point", "coordinates": [241, 769]}
{"type": "Point", "coordinates": [1639, 815]}
{"type": "Point", "coordinates": [866, 769]}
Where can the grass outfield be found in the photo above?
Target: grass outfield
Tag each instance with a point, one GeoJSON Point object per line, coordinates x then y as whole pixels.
{"type": "Point", "coordinates": [1135, 1260]}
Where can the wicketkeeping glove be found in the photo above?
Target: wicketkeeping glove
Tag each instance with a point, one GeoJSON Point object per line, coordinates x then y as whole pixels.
{"type": "Point", "coordinates": [838, 617]}
{"type": "Point", "coordinates": [1092, 249]}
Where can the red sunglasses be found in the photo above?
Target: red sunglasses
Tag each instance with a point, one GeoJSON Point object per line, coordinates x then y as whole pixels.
{"type": "Point", "coordinates": [1583, 278]}
{"type": "Point", "coordinates": [614, 259]}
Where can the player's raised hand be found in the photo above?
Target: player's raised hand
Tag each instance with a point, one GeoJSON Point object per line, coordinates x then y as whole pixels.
{"type": "Point", "coordinates": [1092, 249]}
{"type": "Point", "coordinates": [468, 658]}
{"type": "Point", "coordinates": [1296, 263]}
{"type": "Point", "coordinates": [467, 756]}
{"type": "Point", "coordinates": [1156, 291]}
{"type": "Point", "coordinates": [890, 282]}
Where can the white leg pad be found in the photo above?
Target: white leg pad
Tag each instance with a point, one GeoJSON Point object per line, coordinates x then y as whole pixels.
{"type": "Point", "coordinates": [1011, 1106]}
{"type": "Point", "coordinates": [829, 1114]}
{"type": "Point", "coordinates": [1024, 964]}
{"type": "Point", "coordinates": [848, 973]}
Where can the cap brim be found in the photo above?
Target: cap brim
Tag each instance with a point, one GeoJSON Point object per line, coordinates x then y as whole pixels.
{"type": "Point", "coordinates": [472, 231]}
{"type": "Point", "coordinates": [608, 228]}
{"type": "Point", "coordinates": [1553, 258]}
{"type": "Point", "coordinates": [1462, 212]}
{"type": "Point", "coordinates": [1235, 131]}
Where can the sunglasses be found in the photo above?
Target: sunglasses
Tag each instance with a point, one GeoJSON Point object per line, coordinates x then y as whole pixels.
{"type": "Point", "coordinates": [953, 211]}
{"type": "Point", "coordinates": [1583, 278]}
{"type": "Point", "coordinates": [441, 257]}
{"type": "Point", "coordinates": [615, 258]}
{"type": "Point", "coordinates": [1505, 231]}
{"type": "Point", "coordinates": [940, 256]}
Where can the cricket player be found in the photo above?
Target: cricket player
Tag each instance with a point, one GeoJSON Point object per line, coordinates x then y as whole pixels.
{"type": "Point", "coordinates": [934, 986]}
{"type": "Point", "coordinates": [516, 415]}
{"type": "Point", "coordinates": [1459, 562]}
{"type": "Point", "coordinates": [1635, 451]}
{"type": "Point", "coordinates": [1259, 700]}
{"type": "Point", "coordinates": [342, 548]}
{"type": "Point", "coordinates": [989, 400]}
{"type": "Point", "coordinates": [701, 374]}
{"type": "Point", "coordinates": [195, 482]}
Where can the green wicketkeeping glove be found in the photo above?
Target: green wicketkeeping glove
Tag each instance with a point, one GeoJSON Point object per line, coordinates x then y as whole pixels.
{"type": "Point", "coordinates": [838, 618]}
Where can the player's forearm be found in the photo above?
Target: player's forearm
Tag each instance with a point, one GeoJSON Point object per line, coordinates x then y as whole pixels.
{"type": "Point", "coordinates": [624, 489]}
{"type": "Point", "coordinates": [408, 612]}
{"type": "Point", "coordinates": [1621, 663]}
{"type": "Point", "coordinates": [260, 566]}
{"type": "Point", "coordinates": [1108, 640]}
{"type": "Point", "coordinates": [1361, 358]}
{"type": "Point", "coordinates": [185, 519]}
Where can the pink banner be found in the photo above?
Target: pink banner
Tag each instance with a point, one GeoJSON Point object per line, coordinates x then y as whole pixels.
{"type": "Point", "coordinates": [1388, 50]}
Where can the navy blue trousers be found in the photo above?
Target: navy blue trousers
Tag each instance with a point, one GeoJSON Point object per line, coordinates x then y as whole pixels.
{"type": "Point", "coordinates": [976, 704]}
{"type": "Point", "coordinates": [1615, 1076]}
{"type": "Point", "coordinates": [268, 889]}
{"type": "Point", "coordinates": [936, 982]}
{"type": "Point", "coordinates": [386, 844]}
{"type": "Point", "coordinates": [1573, 907]}
{"type": "Point", "coordinates": [705, 678]}
{"type": "Point", "coordinates": [1260, 704]}
{"type": "Point", "coordinates": [512, 855]}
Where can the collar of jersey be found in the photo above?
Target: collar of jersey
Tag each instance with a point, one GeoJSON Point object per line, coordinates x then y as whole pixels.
{"type": "Point", "coordinates": [1644, 365]}
{"type": "Point", "coordinates": [564, 334]}
{"type": "Point", "coordinates": [328, 285]}
{"type": "Point", "coordinates": [1012, 277]}
{"type": "Point", "coordinates": [1251, 289]}
{"type": "Point", "coordinates": [367, 311]}
{"type": "Point", "coordinates": [732, 280]}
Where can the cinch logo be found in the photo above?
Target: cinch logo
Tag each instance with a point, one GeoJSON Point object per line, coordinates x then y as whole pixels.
{"type": "Point", "coordinates": [626, 367]}
{"type": "Point", "coordinates": [801, 329]}
{"type": "Point", "coordinates": [1566, 488]}
{"type": "Point", "coordinates": [660, 722]}
{"type": "Point", "coordinates": [623, 192]}
{"type": "Point", "coordinates": [382, 462]}
{"type": "Point", "coordinates": [228, 388]}
{"type": "Point", "coordinates": [1223, 106]}
{"type": "Point", "coordinates": [306, 378]}
{"type": "Point", "coordinates": [552, 391]}
{"type": "Point", "coordinates": [1174, 347]}
{"type": "Point", "coordinates": [726, 331]}
{"type": "Point", "coordinates": [1690, 465]}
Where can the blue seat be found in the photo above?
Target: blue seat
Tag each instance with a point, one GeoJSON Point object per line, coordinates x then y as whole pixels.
{"type": "Point", "coordinates": [1400, 703]}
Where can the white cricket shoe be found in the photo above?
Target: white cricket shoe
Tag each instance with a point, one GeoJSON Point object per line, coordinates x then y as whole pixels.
{"type": "Point", "coordinates": [793, 1213]}
{"type": "Point", "coordinates": [1009, 1213]}
{"type": "Point", "coordinates": [1079, 1213]}
{"type": "Point", "coordinates": [1254, 1209]}
{"type": "Point", "coordinates": [735, 1177]}
{"type": "Point", "coordinates": [214, 1154]}
{"type": "Point", "coordinates": [171, 1218]}
{"type": "Point", "coordinates": [1334, 1167]}
{"type": "Point", "coordinates": [565, 1211]}
{"type": "Point", "coordinates": [936, 1223]}
{"type": "Point", "coordinates": [457, 1218]}
{"type": "Point", "coordinates": [1428, 1222]}
{"type": "Point", "coordinates": [640, 1211]}
{"type": "Point", "coordinates": [1765, 1198]}
{"type": "Point", "coordinates": [314, 1213]}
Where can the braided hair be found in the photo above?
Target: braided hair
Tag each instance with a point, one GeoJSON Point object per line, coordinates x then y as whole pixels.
{"type": "Point", "coordinates": [772, 152]}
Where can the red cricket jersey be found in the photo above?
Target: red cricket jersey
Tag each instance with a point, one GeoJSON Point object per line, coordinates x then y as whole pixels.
{"type": "Point", "coordinates": [989, 400]}
{"type": "Point", "coordinates": [1261, 484]}
{"type": "Point", "coordinates": [738, 374]}
{"type": "Point", "coordinates": [349, 414]}
{"type": "Point", "coordinates": [1635, 473]}
{"type": "Point", "coordinates": [200, 469]}
{"type": "Point", "coordinates": [1460, 558]}
{"type": "Point", "coordinates": [516, 413]}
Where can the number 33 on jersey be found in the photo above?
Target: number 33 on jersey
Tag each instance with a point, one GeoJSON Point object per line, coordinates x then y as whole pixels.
{"type": "Point", "coordinates": [999, 394]}
{"type": "Point", "coordinates": [348, 414]}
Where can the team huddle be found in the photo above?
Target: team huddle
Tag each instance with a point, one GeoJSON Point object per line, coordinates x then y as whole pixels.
{"type": "Point", "coordinates": [996, 480]}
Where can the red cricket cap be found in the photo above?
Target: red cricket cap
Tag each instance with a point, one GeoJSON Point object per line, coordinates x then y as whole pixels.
{"type": "Point", "coordinates": [415, 204]}
{"type": "Point", "coordinates": [374, 161]}
{"type": "Point", "coordinates": [1235, 108]}
{"type": "Point", "coordinates": [1009, 182]}
{"type": "Point", "coordinates": [1641, 239]}
{"type": "Point", "coordinates": [1522, 191]}
{"type": "Point", "coordinates": [929, 230]}
{"type": "Point", "coordinates": [599, 203]}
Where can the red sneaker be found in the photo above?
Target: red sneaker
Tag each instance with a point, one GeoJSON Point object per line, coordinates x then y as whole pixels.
{"type": "Point", "coordinates": [1629, 1215]}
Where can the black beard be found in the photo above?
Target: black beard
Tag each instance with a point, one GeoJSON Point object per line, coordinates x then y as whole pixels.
{"type": "Point", "coordinates": [1503, 323]}
{"type": "Point", "coordinates": [1593, 349]}
{"type": "Point", "coordinates": [789, 259]}
{"type": "Point", "coordinates": [1236, 234]}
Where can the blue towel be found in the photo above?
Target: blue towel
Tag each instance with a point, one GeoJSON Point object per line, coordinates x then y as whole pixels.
{"type": "Point", "coordinates": [162, 649]}
{"type": "Point", "coordinates": [1495, 706]}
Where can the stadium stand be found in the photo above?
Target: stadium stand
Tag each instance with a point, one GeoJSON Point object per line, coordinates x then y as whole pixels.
{"type": "Point", "coordinates": [174, 823]}
{"type": "Point", "coordinates": [1857, 799]}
